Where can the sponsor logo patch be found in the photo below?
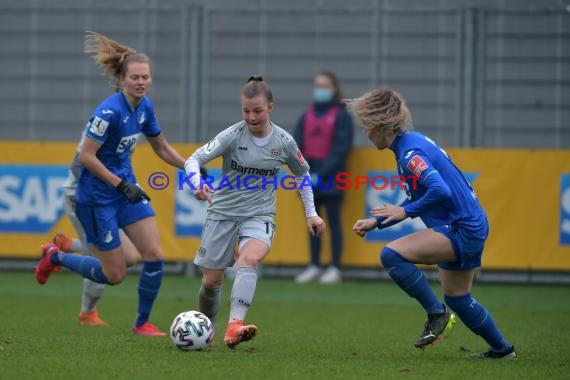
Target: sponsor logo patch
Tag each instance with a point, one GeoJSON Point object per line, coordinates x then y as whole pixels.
{"type": "Point", "coordinates": [98, 126]}
{"type": "Point", "coordinates": [254, 171]}
{"type": "Point", "coordinates": [417, 165]}
{"type": "Point", "coordinates": [108, 237]}
{"type": "Point", "coordinates": [211, 146]}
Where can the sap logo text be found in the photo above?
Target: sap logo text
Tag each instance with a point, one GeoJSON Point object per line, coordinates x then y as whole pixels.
{"type": "Point", "coordinates": [127, 143]}
{"type": "Point", "coordinates": [31, 197]}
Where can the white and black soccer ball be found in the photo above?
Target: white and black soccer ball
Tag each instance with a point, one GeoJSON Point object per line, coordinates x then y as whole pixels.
{"type": "Point", "coordinates": [192, 331]}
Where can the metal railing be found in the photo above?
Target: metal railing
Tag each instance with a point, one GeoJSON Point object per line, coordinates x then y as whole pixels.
{"type": "Point", "coordinates": [473, 77]}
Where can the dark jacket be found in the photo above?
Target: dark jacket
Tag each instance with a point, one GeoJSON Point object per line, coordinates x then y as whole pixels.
{"type": "Point", "coordinates": [335, 162]}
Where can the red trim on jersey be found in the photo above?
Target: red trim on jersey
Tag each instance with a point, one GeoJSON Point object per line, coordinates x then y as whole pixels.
{"type": "Point", "coordinates": [300, 157]}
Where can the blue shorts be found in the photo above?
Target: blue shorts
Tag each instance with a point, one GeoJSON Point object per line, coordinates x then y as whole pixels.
{"type": "Point", "coordinates": [102, 223]}
{"type": "Point", "coordinates": [468, 243]}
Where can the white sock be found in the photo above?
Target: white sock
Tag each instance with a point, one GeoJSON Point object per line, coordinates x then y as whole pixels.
{"type": "Point", "coordinates": [242, 291]}
{"type": "Point", "coordinates": [75, 245]}
{"type": "Point", "coordinates": [92, 292]}
{"type": "Point", "coordinates": [209, 300]}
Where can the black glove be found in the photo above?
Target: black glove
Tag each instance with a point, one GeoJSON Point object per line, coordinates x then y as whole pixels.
{"type": "Point", "coordinates": [203, 172]}
{"type": "Point", "coordinates": [134, 193]}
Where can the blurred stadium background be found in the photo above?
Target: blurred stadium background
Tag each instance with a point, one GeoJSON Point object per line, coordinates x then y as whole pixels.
{"type": "Point", "coordinates": [488, 79]}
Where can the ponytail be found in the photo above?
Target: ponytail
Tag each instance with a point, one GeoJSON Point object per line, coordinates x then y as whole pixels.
{"type": "Point", "coordinates": [112, 56]}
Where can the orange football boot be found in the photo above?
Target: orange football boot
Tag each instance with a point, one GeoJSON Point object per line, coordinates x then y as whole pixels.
{"type": "Point", "coordinates": [91, 318]}
{"type": "Point", "coordinates": [148, 329]}
{"type": "Point", "coordinates": [63, 241]}
{"type": "Point", "coordinates": [237, 332]}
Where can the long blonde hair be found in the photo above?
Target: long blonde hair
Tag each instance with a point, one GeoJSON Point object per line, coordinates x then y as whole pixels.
{"type": "Point", "coordinates": [383, 110]}
{"type": "Point", "coordinates": [112, 56]}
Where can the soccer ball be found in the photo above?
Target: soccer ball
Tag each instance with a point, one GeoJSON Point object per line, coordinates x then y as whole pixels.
{"type": "Point", "coordinates": [191, 331]}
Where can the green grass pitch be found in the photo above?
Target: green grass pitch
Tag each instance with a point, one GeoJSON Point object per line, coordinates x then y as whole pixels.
{"type": "Point", "coordinates": [355, 330]}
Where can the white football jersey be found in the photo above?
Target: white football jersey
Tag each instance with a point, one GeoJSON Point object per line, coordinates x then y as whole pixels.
{"type": "Point", "coordinates": [245, 162]}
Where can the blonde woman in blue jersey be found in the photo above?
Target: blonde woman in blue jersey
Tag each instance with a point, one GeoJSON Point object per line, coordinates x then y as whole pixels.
{"type": "Point", "coordinates": [92, 291]}
{"type": "Point", "coordinates": [108, 197]}
{"type": "Point", "coordinates": [446, 203]}
{"type": "Point", "coordinates": [243, 210]}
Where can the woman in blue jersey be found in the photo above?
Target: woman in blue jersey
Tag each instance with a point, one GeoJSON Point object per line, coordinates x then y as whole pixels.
{"type": "Point", "coordinates": [457, 225]}
{"type": "Point", "coordinates": [108, 197]}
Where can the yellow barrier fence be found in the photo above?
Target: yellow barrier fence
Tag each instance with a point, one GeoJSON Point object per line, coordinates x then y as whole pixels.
{"type": "Point", "coordinates": [526, 194]}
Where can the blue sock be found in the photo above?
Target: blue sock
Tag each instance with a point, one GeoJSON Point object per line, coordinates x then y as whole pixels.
{"type": "Point", "coordinates": [87, 266]}
{"type": "Point", "coordinates": [478, 320]}
{"type": "Point", "coordinates": [149, 284]}
{"type": "Point", "coordinates": [411, 280]}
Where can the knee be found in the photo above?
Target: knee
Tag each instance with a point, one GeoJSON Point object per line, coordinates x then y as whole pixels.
{"type": "Point", "coordinates": [130, 254]}
{"type": "Point", "coordinates": [212, 281]}
{"type": "Point", "coordinates": [153, 254]}
{"type": "Point", "coordinates": [249, 260]}
{"type": "Point", "coordinates": [130, 261]}
{"type": "Point", "coordinates": [115, 277]}
{"type": "Point", "coordinates": [390, 258]}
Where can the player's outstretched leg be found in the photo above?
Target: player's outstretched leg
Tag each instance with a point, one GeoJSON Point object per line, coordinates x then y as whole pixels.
{"type": "Point", "coordinates": [52, 257]}
{"type": "Point", "coordinates": [477, 319]}
{"type": "Point", "coordinates": [241, 298]}
{"type": "Point", "coordinates": [413, 282]}
{"type": "Point", "coordinates": [92, 291]}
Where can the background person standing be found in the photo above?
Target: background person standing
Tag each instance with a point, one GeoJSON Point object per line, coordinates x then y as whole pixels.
{"type": "Point", "coordinates": [324, 134]}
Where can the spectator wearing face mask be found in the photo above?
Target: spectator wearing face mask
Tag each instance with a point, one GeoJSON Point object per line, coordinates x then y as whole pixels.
{"type": "Point", "coordinates": [324, 134]}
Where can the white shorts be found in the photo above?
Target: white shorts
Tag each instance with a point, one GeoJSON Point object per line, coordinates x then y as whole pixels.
{"type": "Point", "coordinates": [69, 208]}
{"type": "Point", "coordinates": [219, 237]}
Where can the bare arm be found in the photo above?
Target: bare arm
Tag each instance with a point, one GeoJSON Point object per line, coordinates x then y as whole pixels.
{"type": "Point", "coordinates": [167, 153]}
{"type": "Point", "coordinates": [88, 158]}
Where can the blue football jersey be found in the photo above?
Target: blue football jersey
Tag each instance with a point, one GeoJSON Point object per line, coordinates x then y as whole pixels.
{"type": "Point", "coordinates": [419, 156]}
{"type": "Point", "coordinates": [117, 127]}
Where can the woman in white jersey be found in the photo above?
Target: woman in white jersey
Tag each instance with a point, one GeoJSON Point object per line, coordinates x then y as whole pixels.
{"type": "Point", "coordinates": [253, 151]}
